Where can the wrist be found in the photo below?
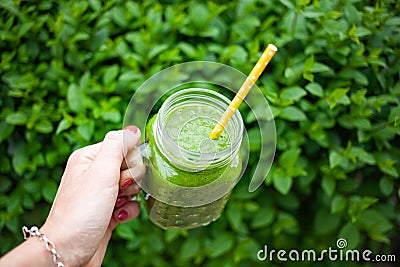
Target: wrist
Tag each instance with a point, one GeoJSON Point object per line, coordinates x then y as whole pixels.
{"type": "Point", "coordinates": [62, 244]}
{"type": "Point", "coordinates": [35, 251]}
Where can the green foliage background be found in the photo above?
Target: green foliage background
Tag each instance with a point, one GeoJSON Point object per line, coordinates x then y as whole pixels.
{"type": "Point", "coordinates": [69, 68]}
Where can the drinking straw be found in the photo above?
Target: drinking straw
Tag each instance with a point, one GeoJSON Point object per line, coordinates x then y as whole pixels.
{"type": "Point", "coordinates": [244, 90]}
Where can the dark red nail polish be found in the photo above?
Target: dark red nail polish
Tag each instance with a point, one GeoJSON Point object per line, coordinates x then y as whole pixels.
{"type": "Point", "coordinates": [122, 215]}
{"type": "Point", "coordinates": [132, 128]}
{"type": "Point", "coordinates": [127, 183]}
{"type": "Point", "coordinates": [121, 201]}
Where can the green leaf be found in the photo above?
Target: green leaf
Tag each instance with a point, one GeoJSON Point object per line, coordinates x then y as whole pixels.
{"type": "Point", "coordinates": [358, 204]}
{"type": "Point", "coordinates": [376, 225]}
{"type": "Point", "coordinates": [95, 4]}
{"type": "Point", "coordinates": [308, 76]}
{"type": "Point", "coordinates": [110, 74]}
{"type": "Point", "coordinates": [44, 126]}
{"type": "Point", "coordinates": [394, 115]}
{"type": "Point", "coordinates": [263, 217]}
{"type": "Point", "coordinates": [285, 222]}
{"type": "Point", "coordinates": [325, 222]}
{"type": "Point", "coordinates": [25, 27]}
{"type": "Point", "coordinates": [312, 12]}
{"type": "Point", "coordinates": [187, 49]}
{"type": "Point", "coordinates": [338, 96]}
{"type": "Point", "coordinates": [12, 225]}
{"type": "Point", "coordinates": [357, 76]}
{"type": "Point", "coordinates": [281, 181]}
{"type": "Point", "coordinates": [294, 93]}
{"type": "Point", "coordinates": [5, 185]}
{"type": "Point", "coordinates": [234, 216]}
{"type": "Point", "coordinates": [362, 124]}
{"type": "Point", "coordinates": [352, 15]}
{"type": "Point", "coordinates": [288, 158]}
{"type": "Point", "coordinates": [98, 38]}
{"type": "Point", "coordinates": [198, 13]}
{"type": "Point", "coordinates": [319, 67]}
{"type": "Point", "coordinates": [49, 191]}
{"type": "Point", "coordinates": [363, 155]}
{"type": "Point", "coordinates": [20, 161]}
{"type": "Point", "coordinates": [335, 159]}
{"type": "Point", "coordinates": [5, 130]}
{"type": "Point", "coordinates": [386, 186]}
{"type": "Point", "coordinates": [171, 235]}
{"type": "Point", "coordinates": [220, 245]}
{"type": "Point", "coordinates": [28, 202]}
{"type": "Point", "coordinates": [63, 125]}
{"type": "Point", "coordinates": [362, 32]}
{"type": "Point", "coordinates": [309, 64]}
{"type": "Point", "coordinates": [86, 130]}
{"type": "Point", "coordinates": [51, 158]}
{"type": "Point", "coordinates": [84, 81]}
{"type": "Point", "coordinates": [338, 204]}
{"type": "Point", "coordinates": [155, 50]}
{"type": "Point", "coordinates": [125, 231]}
{"type": "Point", "coordinates": [17, 118]}
{"type": "Point", "coordinates": [75, 98]}
{"type": "Point", "coordinates": [189, 248]}
{"type": "Point", "coordinates": [393, 21]}
{"type": "Point", "coordinates": [244, 250]}
{"type": "Point", "coordinates": [292, 113]}
{"type": "Point", "coordinates": [118, 15]}
{"type": "Point", "coordinates": [287, 3]}
{"type": "Point", "coordinates": [315, 89]}
{"type": "Point", "coordinates": [328, 184]}
{"type": "Point", "coordinates": [352, 34]}
{"type": "Point", "coordinates": [387, 167]}
{"type": "Point", "coordinates": [112, 115]}
{"type": "Point", "coordinates": [350, 233]}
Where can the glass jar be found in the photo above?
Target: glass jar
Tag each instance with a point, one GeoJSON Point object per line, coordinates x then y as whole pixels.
{"type": "Point", "coordinates": [189, 176]}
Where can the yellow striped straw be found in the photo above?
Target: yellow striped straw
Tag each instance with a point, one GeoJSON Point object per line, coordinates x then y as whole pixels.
{"type": "Point", "coordinates": [244, 90]}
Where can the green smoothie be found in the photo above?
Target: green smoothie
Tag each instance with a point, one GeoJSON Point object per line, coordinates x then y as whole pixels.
{"type": "Point", "coordinates": [189, 127]}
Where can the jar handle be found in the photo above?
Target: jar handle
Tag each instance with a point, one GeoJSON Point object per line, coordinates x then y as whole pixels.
{"type": "Point", "coordinates": [135, 156]}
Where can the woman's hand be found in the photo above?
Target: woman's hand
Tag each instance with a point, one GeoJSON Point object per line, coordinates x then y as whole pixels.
{"type": "Point", "coordinates": [93, 198]}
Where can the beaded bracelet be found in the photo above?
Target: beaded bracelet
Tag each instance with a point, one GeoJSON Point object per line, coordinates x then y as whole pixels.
{"type": "Point", "coordinates": [34, 231]}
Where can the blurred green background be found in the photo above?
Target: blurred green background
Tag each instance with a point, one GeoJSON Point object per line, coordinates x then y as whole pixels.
{"type": "Point", "coordinates": [69, 68]}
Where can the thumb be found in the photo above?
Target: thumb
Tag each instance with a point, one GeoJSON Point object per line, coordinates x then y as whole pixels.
{"type": "Point", "coordinates": [114, 147]}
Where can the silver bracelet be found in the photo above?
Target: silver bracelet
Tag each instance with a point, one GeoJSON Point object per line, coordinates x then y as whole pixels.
{"type": "Point", "coordinates": [34, 231]}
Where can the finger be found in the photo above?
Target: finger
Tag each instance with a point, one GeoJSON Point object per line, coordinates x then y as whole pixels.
{"type": "Point", "coordinates": [123, 199]}
{"type": "Point", "coordinates": [132, 158]}
{"type": "Point", "coordinates": [109, 158]}
{"type": "Point", "coordinates": [80, 160]}
{"type": "Point", "coordinates": [132, 176]}
{"type": "Point", "coordinates": [126, 213]}
{"type": "Point", "coordinates": [133, 189]}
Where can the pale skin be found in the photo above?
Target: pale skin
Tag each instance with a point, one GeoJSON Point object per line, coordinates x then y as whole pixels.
{"type": "Point", "coordinates": [92, 199]}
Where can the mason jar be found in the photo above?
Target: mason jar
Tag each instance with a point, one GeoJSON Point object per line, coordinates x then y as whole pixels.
{"type": "Point", "coordinates": [190, 176]}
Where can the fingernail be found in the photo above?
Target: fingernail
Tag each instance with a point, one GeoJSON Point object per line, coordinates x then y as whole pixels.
{"type": "Point", "coordinates": [127, 183]}
{"type": "Point", "coordinates": [121, 201]}
{"type": "Point", "coordinates": [122, 215]}
{"type": "Point", "coordinates": [132, 128]}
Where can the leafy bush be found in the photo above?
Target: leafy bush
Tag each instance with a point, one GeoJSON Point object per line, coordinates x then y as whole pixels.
{"type": "Point", "coordinates": [69, 68]}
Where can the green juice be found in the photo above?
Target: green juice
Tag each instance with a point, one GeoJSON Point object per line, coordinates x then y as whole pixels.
{"type": "Point", "coordinates": [189, 127]}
